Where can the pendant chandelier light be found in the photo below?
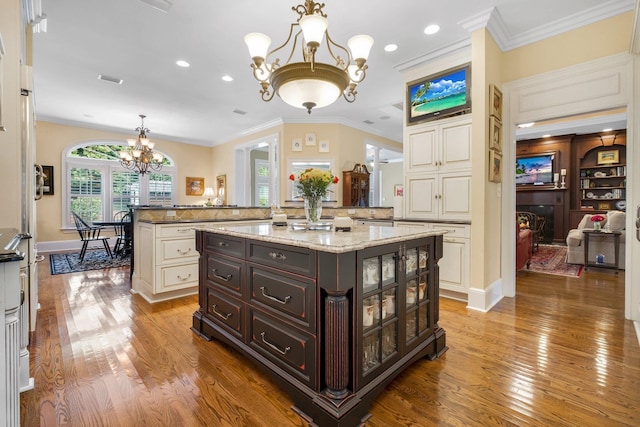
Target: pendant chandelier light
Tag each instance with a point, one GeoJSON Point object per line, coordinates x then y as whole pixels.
{"type": "Point", "coordinates": [309, 83]}
{"type": "Point", "coordinates": [139, 156]}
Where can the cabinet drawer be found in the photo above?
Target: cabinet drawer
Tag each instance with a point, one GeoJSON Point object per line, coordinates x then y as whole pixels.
{"type": "Point", "coordinates": [226, 245]}
{"type": "Point", "coordinates": [173, 250]}
{"type": "Point", "coordinates": [290, 295]}
{"type": "Point", "coordinates": [287, 258]}
{"type": "Point", "coordinates": [176, 230]}
{"type": "Point", "coordinates": [292, 350]}
{"type": "Point", "coordinates": [453, 230]}
{"type": "Point", "coordinates": [225, 273]}
{"type": "Point", "coordinates": [225, 311]}
{"type": "Point", "coordinates": [178, 277]}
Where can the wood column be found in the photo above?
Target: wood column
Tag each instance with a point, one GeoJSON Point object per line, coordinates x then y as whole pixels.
{"type": "Point", "coordinates": [336, 335]}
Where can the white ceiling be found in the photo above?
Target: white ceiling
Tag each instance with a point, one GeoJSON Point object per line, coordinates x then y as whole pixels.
{"type": "Point", "coordinates": [133, 41]}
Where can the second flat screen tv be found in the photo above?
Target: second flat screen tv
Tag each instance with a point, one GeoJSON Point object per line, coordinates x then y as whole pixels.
{"type": "Point", "coordinates": [535, 170]}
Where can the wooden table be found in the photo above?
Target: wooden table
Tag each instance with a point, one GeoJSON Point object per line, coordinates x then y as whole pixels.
{"type": "Point", "coordinates": [615, 235]}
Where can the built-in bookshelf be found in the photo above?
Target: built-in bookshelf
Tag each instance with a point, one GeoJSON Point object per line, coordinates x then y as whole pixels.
{"type": "Point", "coordinates": [603, 187]}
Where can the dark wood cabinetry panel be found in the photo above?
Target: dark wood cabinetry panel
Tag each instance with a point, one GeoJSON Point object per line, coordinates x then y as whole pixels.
{"type": "Point", "coordinates": [355, 186]}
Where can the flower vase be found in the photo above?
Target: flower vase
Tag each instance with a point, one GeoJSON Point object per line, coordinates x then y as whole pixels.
{"type": "Point", "coordinates": [596, 226]}
{"type": "Point", "coordinates": [313, 209]}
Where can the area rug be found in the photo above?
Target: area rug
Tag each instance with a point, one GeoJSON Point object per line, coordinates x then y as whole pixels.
{"type": "Point", "coordinates": [550, 259]}
{"type": "Point", "coordinates": [69, 262]}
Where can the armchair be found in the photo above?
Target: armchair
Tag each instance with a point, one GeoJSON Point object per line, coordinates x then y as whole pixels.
{"type": "Point", "coordinates": [524, 246]}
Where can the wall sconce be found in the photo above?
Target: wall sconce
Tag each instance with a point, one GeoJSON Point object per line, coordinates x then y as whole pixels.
{"type": "Point", "coordinates": [209, 193]}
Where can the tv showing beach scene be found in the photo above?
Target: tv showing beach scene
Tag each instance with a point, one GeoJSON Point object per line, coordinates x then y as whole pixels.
{"type": "Point", "coordinates": [440, 95]}
{"type": "Point", "coordinates": [534, 170]}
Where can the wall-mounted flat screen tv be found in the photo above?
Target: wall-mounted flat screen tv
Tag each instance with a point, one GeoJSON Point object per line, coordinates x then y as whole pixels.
{"type": "Point", "coordinates": [440, 95]}
{"type": "Point", "coordinates": [535, 170]}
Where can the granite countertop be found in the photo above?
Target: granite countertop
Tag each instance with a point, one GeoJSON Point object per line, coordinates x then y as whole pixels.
{"type": "Point", "coordinates": [360, 237]}
{"type": "Point", "coordinates": [9, 241]}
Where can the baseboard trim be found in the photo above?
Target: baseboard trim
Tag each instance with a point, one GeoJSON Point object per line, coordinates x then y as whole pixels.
{"type": "Point", "coordinates": [484, 299]}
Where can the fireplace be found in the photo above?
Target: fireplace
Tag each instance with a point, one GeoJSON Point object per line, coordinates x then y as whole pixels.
{"type": "Point", "coordinates": [545, 211]}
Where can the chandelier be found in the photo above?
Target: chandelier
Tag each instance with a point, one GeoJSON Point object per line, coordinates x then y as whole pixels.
{"type": "Point", "coordinates": [309, 83]}
{"type": "Point", "coordinates": [139, 155]}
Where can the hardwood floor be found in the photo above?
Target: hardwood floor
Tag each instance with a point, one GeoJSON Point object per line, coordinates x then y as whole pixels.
{"type": "Point", "coordinates": [559, 354]}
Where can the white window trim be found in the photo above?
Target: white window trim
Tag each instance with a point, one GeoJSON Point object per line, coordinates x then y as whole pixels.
{"type": "Point", "coordinates": [106, 167]}
{"type": "Point", "coordinates": [332, 188]}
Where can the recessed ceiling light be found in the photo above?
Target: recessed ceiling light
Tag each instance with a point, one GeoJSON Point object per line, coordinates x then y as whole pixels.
{"type": "Point", "coordinates": [227, 78]}
{"type": "Point", "coordinates": [182, 63]}
{"type": "Point", "coordinates": [115, 80]}
{"type": "Point", "coordinates": [391, 47]}
{"type": "Point", "coordinates": [526, 125]}
{"type": "Point", "coordinates": [432, 29]}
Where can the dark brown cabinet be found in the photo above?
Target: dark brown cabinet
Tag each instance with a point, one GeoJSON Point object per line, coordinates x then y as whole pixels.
{"type": "Point", "coordinates": [355, 186]}
{"type": "Point", "coordinates": [333, 328]}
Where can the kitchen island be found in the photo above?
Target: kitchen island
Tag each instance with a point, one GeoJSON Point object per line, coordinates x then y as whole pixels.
{"type": "Point", "coordinates": [333, 317]}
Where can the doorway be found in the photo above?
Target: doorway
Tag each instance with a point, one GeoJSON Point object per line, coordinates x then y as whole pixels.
{"type": "Point", "coordinates": [256, 172]}
{"type": "Point", "coordinates": [530, 100]}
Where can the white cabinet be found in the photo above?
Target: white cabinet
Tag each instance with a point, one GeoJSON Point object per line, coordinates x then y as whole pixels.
{"type": "Point", "coordinates": [435, 196]}
{"type": "Point", "coordinates": [441, 147]}
{"type": "Point", "coordinates": [166, 259]}
{"type": "Point", "coordinates": [438, 170]}
{"type": "Point", "coordinates": [454, 265]}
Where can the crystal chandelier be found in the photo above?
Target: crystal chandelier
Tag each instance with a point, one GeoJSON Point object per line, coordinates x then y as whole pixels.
{"type": "Point", "coordinates": [139, 155]}
{"type": "Point", "coordinates": [309, 84]}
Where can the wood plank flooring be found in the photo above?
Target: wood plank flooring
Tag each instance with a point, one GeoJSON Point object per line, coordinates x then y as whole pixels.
{"type": "Point", "coordinates": [559, 354]}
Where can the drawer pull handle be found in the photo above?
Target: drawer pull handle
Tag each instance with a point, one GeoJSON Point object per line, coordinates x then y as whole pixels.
{"type": "Point", "coordinates": [184, 230]}
{"type": "Point", "coordinates": [272, 298]}
{"type": "Point", "coordinates": [218, 276]}
{"type": "Point", "coordinates": [181, 252]}
{"type": "Point", "coordinates": [223, 244]}
{"type": "Point", "coordinates": [220, 315]}
{"type": "Point", "coordinates": [184, 278]}
{"type": "Point", "coordinates": [283, 352]}
{"type": "Point", "coordinates": [277, 255]}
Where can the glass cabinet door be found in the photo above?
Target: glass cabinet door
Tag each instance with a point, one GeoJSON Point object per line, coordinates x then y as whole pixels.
{"type": "Point", "coordinates": [379, 310]}
{"type": "Point", "coordinates": [417, 299]}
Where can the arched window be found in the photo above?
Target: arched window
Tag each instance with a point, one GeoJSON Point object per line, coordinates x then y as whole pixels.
{"type": "Point", "coordinates": [97, 186]}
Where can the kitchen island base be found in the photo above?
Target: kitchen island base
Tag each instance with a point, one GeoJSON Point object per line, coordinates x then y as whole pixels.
{"type": "Point", "coordinates": [331, 325]}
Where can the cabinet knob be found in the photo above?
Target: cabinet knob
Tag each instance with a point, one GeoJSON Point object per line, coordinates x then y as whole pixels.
{"type": "Point", "coordinates": [277, 255]}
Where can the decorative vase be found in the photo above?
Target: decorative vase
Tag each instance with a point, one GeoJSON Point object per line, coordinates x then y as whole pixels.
{"type": "Point", "coordinates": [596, 226]}
{"type": "Point", "coordinates": [313, 208]}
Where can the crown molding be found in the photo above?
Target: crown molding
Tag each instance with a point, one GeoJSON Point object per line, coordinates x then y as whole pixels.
{"type": "Point", "coordinates": [492, 20]}
{"type": "Point", "coordinates": [459, 46]}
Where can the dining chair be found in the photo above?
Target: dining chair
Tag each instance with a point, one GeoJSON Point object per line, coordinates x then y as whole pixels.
{"type": "Point", "coordinates": [90, 233]}
{"type": "Point", "coordinates": [122, 225]}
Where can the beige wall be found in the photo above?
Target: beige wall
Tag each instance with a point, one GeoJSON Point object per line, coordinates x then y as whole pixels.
{"type": "Point", "coordinates": [10, 190]}
{"type": "Point", "coordinates": [594, 41]}
{"type": "Point", "coordinates": [346, 147]}
{"type": "Point", "coordinates": [51, 141]}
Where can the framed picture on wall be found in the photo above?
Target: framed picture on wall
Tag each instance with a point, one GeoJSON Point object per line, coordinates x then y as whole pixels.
{"type": "Point", "coordinates": [608, 157]}
{"type": "Point", "coordinates": [310, 139]}
{"type": "Point", "coordinates": [296, 144]}
{"type": "Point", "coordinates": [495, 166]}
{"type": "Point", "coordinates": [195, 186]}
{"type": "Point", "coordinates": [47, 175]}
{"type": "Point", "coordinates": [495, 134]}
{"type": "Point", "coordinates": [323, 147]}
{"type": "Point", "coordinates": [495, 102]}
